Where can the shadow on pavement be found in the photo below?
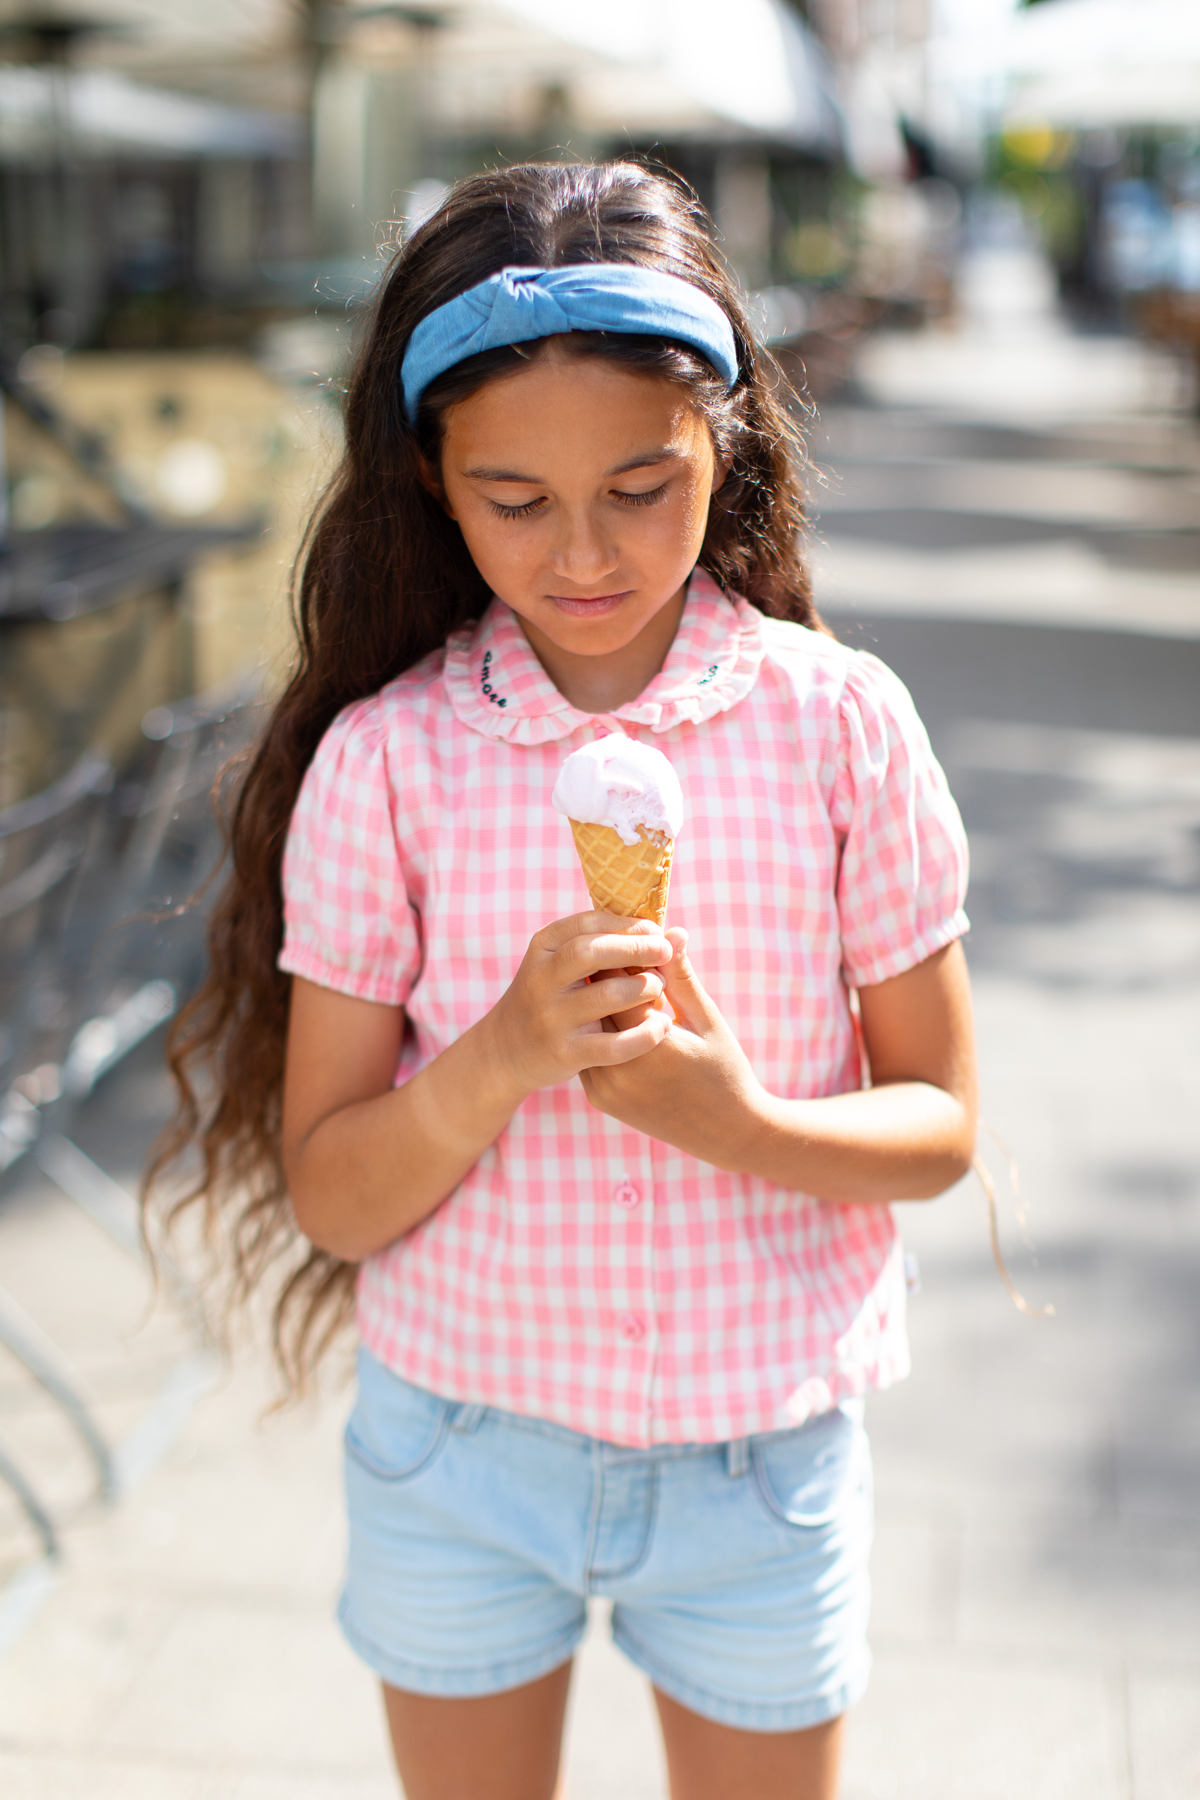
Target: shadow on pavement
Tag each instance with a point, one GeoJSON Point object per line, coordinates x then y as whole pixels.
{"type": "Point", "coordinates": [1075, 758]}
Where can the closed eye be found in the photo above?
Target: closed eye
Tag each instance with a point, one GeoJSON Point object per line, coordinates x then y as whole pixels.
{"type": "Point", "coordinates": [649, 498]}
{"type": "Point", "coordinates": [516, 512]}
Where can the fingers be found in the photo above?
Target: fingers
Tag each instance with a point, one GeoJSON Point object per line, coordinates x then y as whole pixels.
{"type": "Point", "coordinates": [562, 932]}
{"type": "Point", "coordinates": [684, 993]}
{"type": "Point", "coordinates": [589, 943]}
{"type": "Point", "coordinates": [556, 1017]}
{"type": "Point", "coordinates": [596, 955]}
{"type": "Point", "coordinates": [633, 1015]}
{"type": "Point", "coordinates": [614, 994]}
{"type": "Point", "coordinates": [607, 1049]}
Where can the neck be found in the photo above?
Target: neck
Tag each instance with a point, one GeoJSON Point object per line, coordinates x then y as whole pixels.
{"type": "Point", "coordinates": [599, 684]}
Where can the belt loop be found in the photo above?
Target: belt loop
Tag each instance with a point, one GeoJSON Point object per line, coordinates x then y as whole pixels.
{"type": "Point", "coordinates": [468, 1418]}
{"type": "Point", "coordinates": [737, 1456]}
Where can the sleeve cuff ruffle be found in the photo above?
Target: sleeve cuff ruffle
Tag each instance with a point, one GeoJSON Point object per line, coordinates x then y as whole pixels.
{"type": "Point", "coordinates": [299, 959]}
{"type": "Point", "coordinates": [917, 950]}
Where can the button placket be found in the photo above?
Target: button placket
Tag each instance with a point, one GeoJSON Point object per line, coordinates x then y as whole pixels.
{"type": "Point", "coordinates": [634, 1324]}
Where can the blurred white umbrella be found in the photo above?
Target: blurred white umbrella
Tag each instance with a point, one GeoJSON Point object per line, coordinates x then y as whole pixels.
{"type": "Point", "coordinates": [1104, 62]}
{"type": "Point", "coordinates": [751, 63]}
{"type": "Point", "coordinates": [106, 111]}
{"type": "Point", "coordinates": [1109, 34]}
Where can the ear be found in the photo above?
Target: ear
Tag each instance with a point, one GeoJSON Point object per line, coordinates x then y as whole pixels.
{"type": "Point", "coordinates": [431, 480]}
{"type": "Point", "coordinates": [721, 468]}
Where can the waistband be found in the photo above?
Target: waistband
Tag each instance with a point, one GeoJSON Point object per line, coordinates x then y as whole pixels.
{"type": "Point", "coordinates": [466, 1417]}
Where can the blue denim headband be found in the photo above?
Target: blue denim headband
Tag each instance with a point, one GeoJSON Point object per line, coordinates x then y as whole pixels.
{"type": "Point", "coordinates": [518, 305]}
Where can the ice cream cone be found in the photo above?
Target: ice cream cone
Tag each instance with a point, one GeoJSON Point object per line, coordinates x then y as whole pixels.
{"type": "Point", "coordinates": [630, 880]}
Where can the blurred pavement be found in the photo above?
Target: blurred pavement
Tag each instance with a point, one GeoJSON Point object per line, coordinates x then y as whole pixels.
{"type": "Point", "coordinates": [1028, 558]}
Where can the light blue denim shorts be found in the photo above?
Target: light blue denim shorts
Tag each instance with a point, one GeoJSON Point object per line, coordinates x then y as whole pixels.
{"type": "Point", "coordinates": [738, 1572]}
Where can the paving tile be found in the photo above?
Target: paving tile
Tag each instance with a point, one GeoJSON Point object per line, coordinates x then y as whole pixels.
{"type": "Point", "coordinates": [92, 1297]}
{"type": "Point", "coordinates": [914, 1575]}
{"type": "Point", "coordinates": [1157, 1455]}
{"type": "Point", "coordinates": [240, 1420]}
{"type": "Point", "coordinates": [965, 1728]}
{"type": "Point", "coordinates": [269, 1690]}
{"type": "Point", "coordinates": [613, 1748]}
{"type": "Point", "coordinates": [225, 1527]}
{"type": "Point", "coordinates": [1164, 1726]}
{"type": "Point", "coordinates": [1093, 1592]}
{"type": "Point", "coordinates": [52, 1777]}
{"type": "Point", "coordinates": [312, 1787]}
{"type": "Point", "coordinates": [92, 1778]}
{"type": "Point", "coordinates": [76, 1663]}
{"type": "Point", "coordinates": [957, 1450]}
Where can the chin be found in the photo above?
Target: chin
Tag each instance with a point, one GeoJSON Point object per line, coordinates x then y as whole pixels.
{"type": "Point", "coordinates": [594, 642]}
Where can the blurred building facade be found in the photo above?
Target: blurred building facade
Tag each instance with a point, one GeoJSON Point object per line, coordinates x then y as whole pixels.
{"type": "Point", "coordinates": [195, 195]}
{"type": "Point", "coordinates": [145, 202]}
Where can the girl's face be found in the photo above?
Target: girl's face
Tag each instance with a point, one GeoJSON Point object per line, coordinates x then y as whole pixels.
{"type": "Point", "coordinates": [582, 491]}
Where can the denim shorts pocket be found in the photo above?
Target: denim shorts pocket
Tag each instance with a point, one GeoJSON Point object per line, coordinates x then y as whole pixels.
{"type": "Point", "coordinates": [396, 1430]}
{"type": "Point", "coordinates": [806, 1478]}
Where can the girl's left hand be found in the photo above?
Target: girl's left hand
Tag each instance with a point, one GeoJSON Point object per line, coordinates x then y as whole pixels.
{"type": "Point", "coordinates": [696, 1090]}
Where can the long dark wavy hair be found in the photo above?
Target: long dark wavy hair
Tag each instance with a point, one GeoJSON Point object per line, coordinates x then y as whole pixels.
{"type": "Point", "coordinates": [383, 577]}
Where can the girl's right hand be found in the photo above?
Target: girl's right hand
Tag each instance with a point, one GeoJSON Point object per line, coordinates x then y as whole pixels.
{"type": "Point", "coordinates": [366, 1160]}
{"type": "Point", "coordinates": [549, 1025]}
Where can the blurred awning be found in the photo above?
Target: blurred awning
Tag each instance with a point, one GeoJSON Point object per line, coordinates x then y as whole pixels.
{"type": "Point", "coordinates": [750, 63]}
{"type": "Point", "coordinates": [103, 113]}
{"type": "Point", "coordinates": [1095, 63]}
{"type": "Point", "coordinates": [722, 69]}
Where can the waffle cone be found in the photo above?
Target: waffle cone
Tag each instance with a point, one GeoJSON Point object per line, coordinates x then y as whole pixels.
{"type": "Point", "coordinates": [630, 880]}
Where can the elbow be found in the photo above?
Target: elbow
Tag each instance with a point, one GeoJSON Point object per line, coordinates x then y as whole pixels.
{"type": "Point", "coordinates": [344, 1246]}
{"type": "Point", "coordinates": [957, 1164]}
{"type": "Point", "coordinates": [311, 1224]}
{"type": "Point", "coordinates": [314, 1220]}
{"type": "Point", "coordinates": [344, 1217]}
{"type": "Point", "coordinates": [325, 1231]}
{"type": "Point", "coordinates": [958, 1145]}
{"type": "Point", "coordinates": [948, 1167]}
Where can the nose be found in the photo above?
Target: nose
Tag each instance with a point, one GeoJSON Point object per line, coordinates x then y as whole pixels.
{"type": "Point", "coordinates": [584, 552]}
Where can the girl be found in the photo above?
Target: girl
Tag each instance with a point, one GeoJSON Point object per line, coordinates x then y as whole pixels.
{"type": "Point", "coordinates": [615, 1198]}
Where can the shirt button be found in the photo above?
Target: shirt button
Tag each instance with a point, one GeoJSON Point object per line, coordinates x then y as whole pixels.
{"type": "Point", "coordinates": [625, 1194]}
{"type": "Point", "coordinates": [632, 1328]}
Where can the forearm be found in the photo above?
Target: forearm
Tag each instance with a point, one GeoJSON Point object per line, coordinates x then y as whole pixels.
{"type": "Point", "coordinates": [909, 1136]}
{"type": "Point", "coordinates": [907, 1140]}
{"type": "Point", "coordinates": [372, 1170]}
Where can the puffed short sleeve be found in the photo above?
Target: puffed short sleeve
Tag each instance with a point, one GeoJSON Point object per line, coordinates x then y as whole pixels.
{"type": "Point", "coordinates": [903, 870]}
{"type": "Point", "coordinates": [348, 921]}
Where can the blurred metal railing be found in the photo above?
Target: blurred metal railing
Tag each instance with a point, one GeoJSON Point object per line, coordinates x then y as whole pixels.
{"type": "Point", "coordinates": [87, 972]}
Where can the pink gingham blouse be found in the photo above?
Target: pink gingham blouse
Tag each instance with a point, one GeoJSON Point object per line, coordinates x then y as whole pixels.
{"type": "Point", "coordinates": [584, 1273]}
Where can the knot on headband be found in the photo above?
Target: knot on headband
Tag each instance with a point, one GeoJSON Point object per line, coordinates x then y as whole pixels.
{"type": "Point", "coordinates": [518, 305]}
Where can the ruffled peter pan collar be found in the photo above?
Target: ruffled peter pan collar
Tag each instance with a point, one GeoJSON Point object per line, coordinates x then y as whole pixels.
{"type": "Point", "coordinates": [498, 687]}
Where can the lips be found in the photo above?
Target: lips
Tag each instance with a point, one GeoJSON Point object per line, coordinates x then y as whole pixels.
{"type": "Point", "coordinates": [592, 608]}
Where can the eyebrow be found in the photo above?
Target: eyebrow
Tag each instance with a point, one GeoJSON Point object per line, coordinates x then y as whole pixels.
{"type": "Point", "coordinates": [646, 460]}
